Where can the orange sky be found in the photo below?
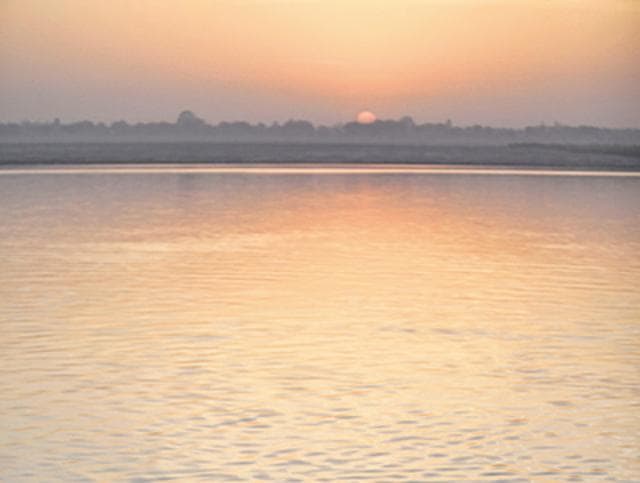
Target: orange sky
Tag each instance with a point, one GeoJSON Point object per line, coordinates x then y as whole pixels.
{"type": "Point", "coordinates": [498, 62]}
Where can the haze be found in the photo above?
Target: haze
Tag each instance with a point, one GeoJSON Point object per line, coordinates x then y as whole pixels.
{"type": "Point", "coordinates": [492, 62]}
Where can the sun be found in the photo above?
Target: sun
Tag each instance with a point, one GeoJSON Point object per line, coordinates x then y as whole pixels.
{"type": "Point", "coordinates": [366, 117]}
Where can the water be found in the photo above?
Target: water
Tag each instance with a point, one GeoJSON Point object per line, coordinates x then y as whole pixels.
{"type": "Point", "coordinates": [326, 325]}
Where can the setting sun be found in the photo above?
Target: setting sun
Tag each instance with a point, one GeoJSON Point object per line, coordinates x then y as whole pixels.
{"type": "Point", "coordinates": [366, 117]}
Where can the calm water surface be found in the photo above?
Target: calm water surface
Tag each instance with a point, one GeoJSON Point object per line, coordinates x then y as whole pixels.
{"type": "Point", "coordinates": [284, 325]}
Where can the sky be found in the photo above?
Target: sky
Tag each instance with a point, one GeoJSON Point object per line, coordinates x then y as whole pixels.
{"type": "Point", "coordinates": [494, 62]}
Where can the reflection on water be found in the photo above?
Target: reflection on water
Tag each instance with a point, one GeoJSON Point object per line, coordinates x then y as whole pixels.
{"type": "Point", "coordinates": [343, 326]}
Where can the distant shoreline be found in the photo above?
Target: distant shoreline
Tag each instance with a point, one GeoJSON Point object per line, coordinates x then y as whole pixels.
{"type": "Point", "coordinates": [521, 155]}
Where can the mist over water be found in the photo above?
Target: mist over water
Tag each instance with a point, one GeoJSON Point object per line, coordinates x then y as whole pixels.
{"type": "Point", "coordinates": [340, 326]}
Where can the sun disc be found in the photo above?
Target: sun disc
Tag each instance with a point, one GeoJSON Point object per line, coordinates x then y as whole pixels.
{"type": "Point", "coordinates": [366, 117]}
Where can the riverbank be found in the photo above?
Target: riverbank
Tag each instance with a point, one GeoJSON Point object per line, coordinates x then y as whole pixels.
{"type": "Point", "coordinates": [514, 155]}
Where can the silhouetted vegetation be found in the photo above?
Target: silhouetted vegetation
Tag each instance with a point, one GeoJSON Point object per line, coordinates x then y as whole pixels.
{"type": "Point", "coordinates": [189, 127]}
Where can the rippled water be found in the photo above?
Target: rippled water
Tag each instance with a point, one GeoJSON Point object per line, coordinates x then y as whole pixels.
{"type": "Point", "coordinates": [285, 325]}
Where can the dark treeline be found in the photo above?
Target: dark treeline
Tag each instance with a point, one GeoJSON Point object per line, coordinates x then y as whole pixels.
{"type": "Point", "coordinates": [189, 127]}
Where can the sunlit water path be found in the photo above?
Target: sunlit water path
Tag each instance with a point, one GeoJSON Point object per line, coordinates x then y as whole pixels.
{"type": "Point", "coordinates": [307, 324]}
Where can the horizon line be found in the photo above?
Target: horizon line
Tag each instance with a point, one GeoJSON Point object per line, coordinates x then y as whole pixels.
{"type": "Point", "coordinates": [405, 118]}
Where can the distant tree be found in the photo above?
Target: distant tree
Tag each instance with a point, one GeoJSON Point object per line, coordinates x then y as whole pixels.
{"type": "Point", "coordinates": [119, 128]}
{"type": "Point", "coordinates": [188, 119]}
{"type": "Point", "coordinates": [295, 128]}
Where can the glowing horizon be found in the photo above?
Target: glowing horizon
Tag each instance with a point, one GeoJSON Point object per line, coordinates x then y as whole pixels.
{"type": "Point", "coordinates": [490, 62]}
